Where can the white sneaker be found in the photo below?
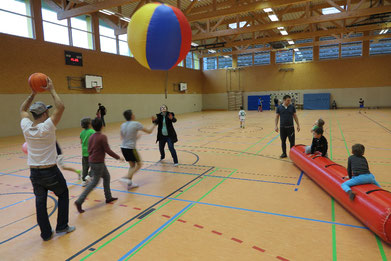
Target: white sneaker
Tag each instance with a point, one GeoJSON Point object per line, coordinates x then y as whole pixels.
{"type": "Point", "coordinates": [126, 181]}
{"type": "Point", "coordinates": [84, 183]}
{"type": "Point", "coordinates": [132, 185]}
{"type": "Point", "coordinates": [176, 164]}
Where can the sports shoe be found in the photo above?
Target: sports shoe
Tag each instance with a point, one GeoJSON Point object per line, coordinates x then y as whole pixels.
{"type": "Point", "coordinates": [84, 183]}
{"type": "Point", "coordinates": [352, 195]}
{"type": "Point", "coordinates": [161, 159]}
{"type": "Point", "coordinates": [78, 206]}
{"type": "Point", "coordinates": [110, 200]}
{"type": "Point", "coordinates": [48, 238]}
{"type": "Point", "coordinates": [66, 230]}
{"type": "Point", "coordinates": [126, 181]}
{"type": "Point", "coordinates": [176, 164]}
{"type": "Point", "coordinates": [79, 174]}
{"type": "Point", "coordinates": [283, 155]}
{"type": "Point", "coordinates": [132, 185]}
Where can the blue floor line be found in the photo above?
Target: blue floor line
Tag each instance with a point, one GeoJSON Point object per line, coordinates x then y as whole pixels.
{"type": "Point", "coordinates": [154, 233]}
{"type": "Point", "coordinates": [16, 203]}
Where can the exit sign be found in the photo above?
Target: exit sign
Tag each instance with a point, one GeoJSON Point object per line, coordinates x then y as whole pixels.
{"type": "Point", "coordinates": [72, 58]}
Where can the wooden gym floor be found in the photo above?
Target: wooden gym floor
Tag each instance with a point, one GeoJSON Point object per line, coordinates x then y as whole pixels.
{"type": "Point", "coordinates": [231, 197]}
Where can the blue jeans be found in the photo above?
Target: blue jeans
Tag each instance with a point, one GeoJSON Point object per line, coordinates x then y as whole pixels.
{"type": "Point", "coordinates": [359, 180]}
{"type": "Point", "coordinates": [44, 180]}
{"type": "Point", "coordinates": [162, 144]}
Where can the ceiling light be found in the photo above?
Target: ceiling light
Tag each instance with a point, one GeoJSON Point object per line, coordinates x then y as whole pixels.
{"type": "Point", "coordinates": [268, 10]}
{"type": "Point", "coordinates": [194, 44]}
{"type": "Point", "coordinates": [125, 19]}
{"type": "Point", "coordinates": [331, 10]}
{"type": "Point", "coordinates": [281, 28]}
{"type": "Point", "coordinates": [283, 32]}
{"type": "Point", "coordinates": [212, 51]}
{"type": "Point", "coordinates": [291, 42]}
{"type": "Point", "coordinates": [296, 50]}
{"type": "Point", "coordinates": [105, 11]}
{"type": "Point", "coordinates": [273, 17]}
{"type": "Point", "coordinates": [383, 31]}
{"type": "Point", "coordinates": [226, 56]}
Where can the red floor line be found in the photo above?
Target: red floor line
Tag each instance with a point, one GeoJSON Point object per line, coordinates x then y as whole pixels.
{"type": "Point", "coordinates": [137, 208]}
{"type": "Point", "coordinates": [259, 249]}
{"type": "Point", "coordinates": [237, 240]}
{"type": "Point", "coordinates": [123, 205]}
{"type": "Point", "coordinates": [198, 226]}
{"type": "Point", "coordinates": [98, 200]}
{"type": "Point", "coordinates": [216, 232]}
{"type": "Point", "coordinates": [281, 258]}
{"type": "Point", "coordinates": [181, 220]}
{"type": "Point", "coordinates": [165, 216]}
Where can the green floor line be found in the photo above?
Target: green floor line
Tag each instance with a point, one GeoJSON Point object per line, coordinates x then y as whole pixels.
{"type": "Point", "coordinates": [264, 147]}
{"type": "Point", "coordinates": [207, 193]}
{"type": "Point", "coordinates": [255, 143]}
{"type": "Point", "coordinates": [333, 227]}
{"type": "Point", "coordinates": [379, 243]}
{"type": "Point", "coordinates": [108, 242]}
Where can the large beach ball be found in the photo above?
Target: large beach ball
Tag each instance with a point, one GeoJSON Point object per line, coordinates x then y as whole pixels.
{"type": "Point", "coordinates": [159, 36]}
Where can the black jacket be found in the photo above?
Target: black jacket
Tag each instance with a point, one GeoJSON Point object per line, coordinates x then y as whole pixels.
{"type": "Point", "coordinates": [319, 145]}
{"type": "Point", "coordinates": [169, 124]}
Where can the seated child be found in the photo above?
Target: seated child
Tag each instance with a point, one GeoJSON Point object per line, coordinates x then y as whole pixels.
{"type": "Point", "coordinates": [358, 171]}
{"type": "Point", "coordinates": [319, 143]}
{"type": "Point", "coordinates": [318, 124]}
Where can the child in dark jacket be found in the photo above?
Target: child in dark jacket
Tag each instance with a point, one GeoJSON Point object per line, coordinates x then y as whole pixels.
{"type": "Point", "coordinates": [358, 171]}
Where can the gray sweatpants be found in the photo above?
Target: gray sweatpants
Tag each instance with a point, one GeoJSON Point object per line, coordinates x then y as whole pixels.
{"type": "Point", "coordinates": [98, 170]}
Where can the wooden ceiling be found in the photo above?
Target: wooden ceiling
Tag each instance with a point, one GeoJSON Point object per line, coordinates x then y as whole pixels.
{"type": "Point", "coordinates": [210, 20]}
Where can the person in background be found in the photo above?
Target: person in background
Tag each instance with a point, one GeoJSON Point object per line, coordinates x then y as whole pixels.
{"type": "Point", "coordinates": [259, 105]}
{"type": "Point", "coordinates": [101, 113]}
{"type": "Point", "coordinates": [166, 132]}
{"type": "Point", "coordinates": [242, 117]}
{"type": "Point", "coordinates": [84, 138]}
{"type": "Point", "coordinates": [334, 105]}
{"type": "Point", "coordinates": [287, 113]}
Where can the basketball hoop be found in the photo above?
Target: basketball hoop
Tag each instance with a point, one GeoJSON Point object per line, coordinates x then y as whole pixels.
{"type": "Point", "coordinates": [97, 89]}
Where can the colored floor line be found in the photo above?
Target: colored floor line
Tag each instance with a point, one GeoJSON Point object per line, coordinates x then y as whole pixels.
{"type": "Point", "coordinates": [128, 256]}
{"type": "Point", "coordinates": [16, 203]}
{"type": "Point", "coordinates": [255, 143]}
{"type": "Point", "coordinates": [333, 227]}
{"type": "Point", "coordinates": [136, 216]}
{"type": "Point", "coordinates": [194, 174]}
{"type": "Point", "coordinates": [299, 181]}
{"type": "Point", "coordinates": [31, 228]}
{"type": "Point", "coordinates": [139, 245]}
{"type": "Point", "coordinates": [379, 243]}
{"type": "Point", "coordinates": [270, 142]}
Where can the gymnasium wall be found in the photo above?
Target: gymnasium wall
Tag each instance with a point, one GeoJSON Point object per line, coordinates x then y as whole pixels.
{"type": "Point", "coordinates": [126, 84]}
{"type": "Point", "coordinates": [346, 79]}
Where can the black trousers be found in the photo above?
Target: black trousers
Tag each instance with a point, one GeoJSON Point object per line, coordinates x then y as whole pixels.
{"type": "Point", "coordinates": [102, 117]}
{"type": "Point", "coordinates": [287, 132]}
{"type": "Point", "coordinates": [44, 180]}
{"type": "Point", "coordinates": [162, 144]}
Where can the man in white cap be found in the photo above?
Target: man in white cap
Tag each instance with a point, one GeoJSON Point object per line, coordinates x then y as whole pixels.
{"type": "Point", "coordinates": [40, 136]}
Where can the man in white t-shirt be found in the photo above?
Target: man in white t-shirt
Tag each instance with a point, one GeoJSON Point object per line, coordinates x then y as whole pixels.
{"type": "Point", "coordinates": [129, 130]}
{"type": "Point", "coordinates": [40, 136]}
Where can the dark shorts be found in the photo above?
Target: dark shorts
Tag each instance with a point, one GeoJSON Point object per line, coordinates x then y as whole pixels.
{"type": "Point", "coordinates": [361, 105]}
{"type": "Point", "coordinates": [130, 155]}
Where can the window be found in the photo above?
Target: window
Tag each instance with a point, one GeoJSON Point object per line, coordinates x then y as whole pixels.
{"type": "Point", "coordinates": [262, 58]}
{"type": "Point", "coordinates": [189, 60]}
{"type": "Point", "coordinates": [351, 49]}
{"type": "Point", "coordinates": [196, 61]}
{"type": "Point", "coordinates": [210, 63]}
{"type": "Point", "coordinates": [180, 64]}
{"type": "Point", "coordinates": [285, 56]}
{"type": "Point", "coordinates": [82, 32]}
{"type": "Point", "coordinates": [382, 46]}
{"type": "Point", "coordinates": [15, 18]}
{"type": "Point", "coordinates": [328, 51]}
{"type": "Point", "coordinates": [225, 61]}
{"type": "Point", "coordinates": [108, 40]}
{"type": "Point", "coordinates": [331, 10]}
{"type": "Point", "coordinates": [235, 25]}
{"type": "Point", "coordinates": [245, 60]}
{"type": "Point", "coordinates": [123, 45]}
{"type": "Point", "coordinates": [55, 31]}
{"type": "Point", "coordinates": [304, 54]}
{"type": "Point", "coordinates": [76, 31]}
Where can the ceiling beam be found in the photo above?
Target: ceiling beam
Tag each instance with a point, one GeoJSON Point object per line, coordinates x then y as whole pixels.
{"type": "Point", "coordinates": [307, 35]}
{"type": "Point", "coordinates": [190, 7]}
{"type": "Point", "coordinates": [243, 9]}
{"type": "Point", "coordinates": [310, 20]}
{"type": "Point", "coordinates": [91, 8]}
{"type": "Point", "coordinates": [333, 4]}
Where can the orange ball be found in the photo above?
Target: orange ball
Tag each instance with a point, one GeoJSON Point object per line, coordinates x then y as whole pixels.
{"type": "Point", "coordinates": [38, 82]}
